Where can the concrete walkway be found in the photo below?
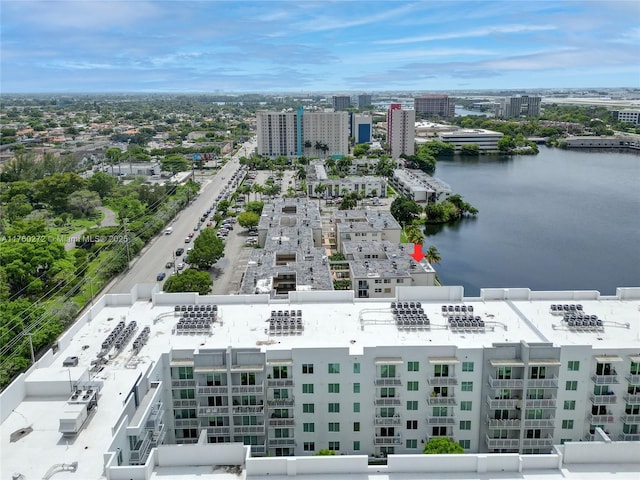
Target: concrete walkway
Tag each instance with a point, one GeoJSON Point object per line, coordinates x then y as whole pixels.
{"type": "Point", "coordinates": [108, 220]}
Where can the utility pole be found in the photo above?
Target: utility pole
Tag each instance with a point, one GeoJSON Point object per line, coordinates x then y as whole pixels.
{"type": "Point", "coordinates": [126, 240]}
{"type": "Point", "coordinates": [33, 357]}
{"type": "Point", "coordinates": [91, 289]}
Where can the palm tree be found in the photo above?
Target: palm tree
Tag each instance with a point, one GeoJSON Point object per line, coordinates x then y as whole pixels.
{"type": "Point", "coordinates": [432, 255]}
{"type": "Point", "coordinates": [414, 235]}
{"type": "Point", "coordinates": [319, 190]}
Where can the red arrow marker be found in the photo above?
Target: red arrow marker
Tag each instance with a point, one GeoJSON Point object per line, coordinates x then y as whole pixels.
{"type": "Point", "coordinates": [417, 253]}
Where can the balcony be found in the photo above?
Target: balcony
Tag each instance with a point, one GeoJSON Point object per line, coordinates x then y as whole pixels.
{"type": "Point", "coordinates": [213, 411]}
{"type": "Point", "coordinates": [387, 402]}
{"type": "Point", "coordinates": [258, 450]}
{"type": "Point", "coordinates": [442, 381]}
{"type": "Point", "coordinates": [154, 421]}
{"type": "Point", "coordinates": [250, 389]}
{"type": "Point", "coordinates": [393, 440]}
{"type": "Point", "coordinates": [157, 437]}
{"type": "Point", "coordinates": [187, 423]}
{"type": "Point", "coordinates": [600, 419]}
{"type": "Point", "coordinates": [248, 409]}
{"type": "Point", "coordinates": [388, 382]}
{"type": "Point", "coordinates": [248, 430]}
{"type": "Point", "coordinates": [140, 453]}
{"type": "Point", "coordinates": [280, 382]}
{"type": "Point", "coordinates": [633, 399]}
{"type": "Point", "coordinates": [189, 403]}
{"type": "Point", "coordinates": [540, 402]}
{"type": "Point", "coordinates": [633, 379]}
{"type": "Point", "coordinates": [282, 402]}
{"type": "Point", "coordinates": [448, 400]}
{"type": "Point", "coordinates": [282, 442]}
{"type": "Point", "coordinates": [512, 443]}
{"type": "Point", "coordinates": [539, 422]}
{"type": "Point", "coordinates": [551, 382]}
{"type": "Point", "coordinates": [603, 399]}
{"type": "Point", "coordinates": [605, 379]}
{"type": "Point", "coordinates": [629, 437]}
{"type": "Point", "coordinates": [387, 421]}
{"type": "Point", "coordinates": [509, 424]}
{"type": "Point", "coordinates": [281, 422]}
{"type": "Point", "coordinates": [630, 418]}
{"type": "Point", "coordinates": [538, 442]}
{"type": "Point", "coordinates": [513, 383]}
{"type": "Point", "coordinates": [223, 430]}
{"type": "Point", "coordinates": [175, 383]}
{"type": "Point", "coordinates": [503, 403]}
{"type": "Point", "coordinates": [207, 391]}
{"type": "Point", "coordinates": [441, 420]}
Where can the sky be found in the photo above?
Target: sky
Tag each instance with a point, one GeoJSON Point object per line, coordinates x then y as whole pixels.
{"type": "Point", "coordinates": [307, 46]}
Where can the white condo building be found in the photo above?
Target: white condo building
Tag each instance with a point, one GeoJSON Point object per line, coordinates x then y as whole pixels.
{"type": "Point", "coordinates": [401, 133]}
{"type": "Point", "coordinates": [509, 371]}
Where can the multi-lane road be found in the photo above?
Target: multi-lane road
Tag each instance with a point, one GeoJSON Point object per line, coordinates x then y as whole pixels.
{"type": "Point", "coordinates": [146, 266]}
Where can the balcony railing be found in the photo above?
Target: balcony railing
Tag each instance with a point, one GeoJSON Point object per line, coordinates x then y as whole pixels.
{"type": "Point", "coordinates": [603, 399]}
{"type": "Point", "coordinates": [281, 422]}
{"type": "Point", "coordinates": [283, 402]}
{"type": "Point", "coordinates": [248, 430]}
{"type": "Point", "coordinates": [503, 403]}
{"type": "Point", "coordinates": [282, 442]}
{"type": "Point", "coordinates": [440, 381]}
{"type": "Point", "coordinates": [384, 382]}
{"type": "Point", "coordinates": [449, 400]}
{"type": "Point", "coordinates": [441, 420]}
{"type": "Point", "coordinates": [280, 382]}
{"type": "Point", "coordinates": [258, 450]}
{"type": "Point", "coordinates": [223, 430]}
{"type": "Point", "coordinates": [395, 440]}
{"type": "Point", "coordinates": [598, 419]}
{"type": "Point", "coordinates": [206, 391]}
{"type": "Point", "coordinates": [387, 421]}
{"type": "Point", "coordinates": [512, 383]}
{"type": "Point", "coordinates": [540, 402]}
{"type": "Point", "coordinates": [633, 379]}
{"type": "Point", "coordinates": [185, 403]}
{"type": "Point", "coordinates": [157, 437]}
{"type": "Point", "coordinates": [551, 382]}
{"type": "Point", "coordinates": [605, 379]}
{"type": "Point", "coordinates": [212, 411]}
{"type": "Point", "coordinates": [509, 424]}
{"type": "Point", "coordinates": [631, 418]}
{"type": "Point", "coordinates": [187, 422]}
{"type": "Point", "coordinates": [253, 389]}
{"type": "Point", "coordinates": [630, 437]}
{"type": "Point", "coordinates": [175, 383]}
{"type": "Point", "coordinates": [538, 442]}
{"type": "Point", "coordinates": [387, 402]}
{"type": "Point", "coordinates": [633, 399]}
{"type": "Point", "coordinates": [539, 422]}
{"type": "Point", "coordinates": [248, 409]}
{"type": "Point", "coordinates": [513, 443]}
{"type": "Point", "coordinates": [140, 453]}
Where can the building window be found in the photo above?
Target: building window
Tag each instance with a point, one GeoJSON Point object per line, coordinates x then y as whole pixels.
{"type": "Point", "coordinates": [441, 370]}
{"type": "Point", "coordinates": [465, 405]}
{"type": "Point", "coordinates": [571, 385]}
{"type": "Point", "coordinates": [635, 368]}
{"type": "Point", "coordinates": [308, 408]}
{"type": "Point", "coordinates": [565, 440]}
{"type": "Point", "coordinates": [412, 386]}
{"type": "Point", "coordinates": [356, 368]}
{"type": "Point", "coordinates": [466, 444]}
{"type": "Point", "coordinates": [467, 366]}
{"type": "Point", "coordinates": [465, 424]}
{"type": "Point", "coordinates": [412, 405]}
{"type": "Point", "coordinates": [309, 446]}
{"type": "Point", "coordinates": [335, 446]}
{"type": "Point", "coordinates": [356, 426]}
{"type": "Point", "coordinates": [356, 407]}
{"type": "Point", "coordinates": [537, 372]}
{"type": "Point", "coordinates": [569, 404]}
{"type": "Point", "coordinates": [309, 427]}
{"type": "Point", "coordinates": [387, 371]}
{"type": "Point", "coordinates": [567, 424]}
{"type": "Point", "coordinates": [307, 368]}
{"type": "Point", "coordinates": [356, 388]}
{"type": "Point", "coordinates": [466, 386]}
{"type": "Point", "coordinates": [185, 373]}
{"type": "Point", "coordinates": [334, 368]}
{"type": "Point", "coordinates": [573, 365]}
{"type": "Point", "coordinates": [377, 290]}
{"type": "Point", "coordinates": [280, 372]}
{"type": "Point", "coordinates": [412, 443]}
{"type": "Point", "coordinates": [334, 408]}
{"type": "Point", "coordinates": [307, 388]}
{"type": "Point", "coordinates": [334, 426]}
{"type": "Point", "coordinates": [334, 388]}
{"type": "Point", "coordinates": [412, 424]}
{"type": "Point", "coordinates": [356, 445]}
{"type": "Point", "coordinates": [413, 366]}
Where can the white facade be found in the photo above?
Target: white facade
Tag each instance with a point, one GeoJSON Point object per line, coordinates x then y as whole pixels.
{"type": "Point", "coordinates": [277, 133]}
{"type": "Point", "coordinates": [419, 186]}
{"type": "Point", "coordinates": [487, 140]}
{"type": "Point", "coordinates": [629, 116]}
{"type": "Point", "coordinates": [328, 128]}
{"type": "Point", "coordinates": [401, 132]}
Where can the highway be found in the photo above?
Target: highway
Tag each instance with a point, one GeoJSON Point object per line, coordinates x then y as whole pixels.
{"type": "Point", "coordinates": [146, 266]}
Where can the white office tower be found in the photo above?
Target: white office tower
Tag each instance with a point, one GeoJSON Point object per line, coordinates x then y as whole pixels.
{"type": "Point", "coordinates": [401, 131]}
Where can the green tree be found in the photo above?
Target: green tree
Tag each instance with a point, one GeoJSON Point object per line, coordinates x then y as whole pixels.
{"type": "Point", "coordinates": [255, 207]}
{"type": "Point", "coordinates": [84, 202]}
{"type": "Point", "coordinates": [102, 183]}
{"type": "Point", "coordinates": [471, 149]}
{"type": "Point", "coordinates": [113, 155]}
{"type": "Point", "coordinates": [432, 255]}
{"type": "Point", "coordinates": [248, 219]}
{"type": "Point", "coordinates": [324, 453]}
{"type": "Point", "coordinates": [414, 235]}
{"type": "Point", "coordinates": [189, 281]}
{"type": "Point", "coordinates": [207, 249]}
{"type": "Point", "coordinates": [18, 207]}
{"type": "Point", "coordinates": [56, 189]}
{"type": "Point", "coordinates": [442, 445]}
{"type": "Point", "coordinates": [405, 210]}
{"type": "Point", "coordinates": [319, 190]}
{"type": "Point", "coordinates": [174, 164]}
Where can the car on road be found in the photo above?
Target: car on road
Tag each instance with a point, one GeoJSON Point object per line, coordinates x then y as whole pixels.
{"type": "Point", "coordinates": [160, 276]}
{"type": "Point", "coordinates": [179, 251]}
{"type": "Point", "coordinates": [187, 240]}
{"type": "Point", "coordinates": [253, 233]}
{"type": "Point", "coordinates": [195, 229]}
{"type": "Point", "coordinates": [180, 266]}
{"type": "Point", "coordinates": [168, 265]}
{"type": "Point", "coordinates": [209, 224]}
{"type": "Point", "coordinates": [190, 235]}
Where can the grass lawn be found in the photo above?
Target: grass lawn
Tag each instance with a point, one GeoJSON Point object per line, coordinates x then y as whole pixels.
{"type": "Point", "coordinates": [76, 224]}
{"type": "Point", "coordinates": [97, 282]}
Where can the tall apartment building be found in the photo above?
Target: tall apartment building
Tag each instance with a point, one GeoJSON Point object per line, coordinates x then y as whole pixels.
{"type": "Point", "coordinates": [298, 133]}
{"type": "Point", "coordinates": [361, 126]}
{"type": "Point", "coordinates": [364, 100]}
{"type": "Point", "coordinates": [401, 131]}
{"type": "Point", "coordinates": [521, 106]}
{"type": "Point", "coordinates": [508, 371]}
{"type": "Point", "coordinates": [341, 102]}
{"type": "Point", "coordinates": [434, 106]}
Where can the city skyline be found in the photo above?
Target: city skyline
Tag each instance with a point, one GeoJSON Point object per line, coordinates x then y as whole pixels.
{"type": "Point", "coordinates": [189, 47]}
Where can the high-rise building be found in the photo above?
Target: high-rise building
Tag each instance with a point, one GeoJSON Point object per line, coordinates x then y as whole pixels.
{"type": "Point", "coordinates": [521, 106]}
{"type": "Point", "coordinates": [364, 100]}
{"type": "Point", "coordinates": [300, 133]}
{"type": "Point", "coordinates": [361, 125]}
{"type": "Point", "coordinates": [401, 131]}
{"type": "Point", "coordinates": [434, 106]}
{"type": "Point", "coordinates": [341, 102]}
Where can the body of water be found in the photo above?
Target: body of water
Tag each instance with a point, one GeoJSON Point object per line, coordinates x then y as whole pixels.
{"type": "Point", "coordinates": [559, 220]}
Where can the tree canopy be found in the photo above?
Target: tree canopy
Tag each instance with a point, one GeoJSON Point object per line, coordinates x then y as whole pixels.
{"type": "Point", "coordinates": [248, 219]}
{"type": "Point", "coordinates": [189, 281]}
{"type": "Point", "coordinates": [207, 249]}
{"type": "Point", "coordinates": [174, 164]}
{"type": "Point", "coordinates": [442, 445]}
{"type": "Point", "coordinates": [405, 210]}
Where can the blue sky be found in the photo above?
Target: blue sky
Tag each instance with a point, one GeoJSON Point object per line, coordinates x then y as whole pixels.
{"type": "Point", "coordinates": [328, 46]}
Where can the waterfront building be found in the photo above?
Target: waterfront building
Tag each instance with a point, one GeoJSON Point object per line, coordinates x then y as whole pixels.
{"type": "Point", "coordinates": [428, 106]}
{"type": "Point", "coordinates": [401, 130]}
{"type": "Point", "coordinates": [521, 106]}
{"type": "Point", "coordinates": [627, 115]}
{"type": "Point", "coordinates": [487, 140]}
{"type": "Point", "coordinates": [509, 371]}
{"type": "Point", "coordinates": [341, 102]}
{"type": "Point", "coordinates": [419, 186]}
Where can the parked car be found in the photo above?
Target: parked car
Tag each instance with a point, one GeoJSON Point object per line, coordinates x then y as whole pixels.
{"type": "Point", "coordinates": [180, 266]}
{"type": "Point", "coordinates": [253, 234]}
{"type": "Point", "coordinates": [179, 251]}
{"type": "Point", "coordinates": [169, 265]}
{"type": "Point", "coordinates": [190, 235]}
{"type": "Point", "coordinates": [160, 276]}
{"type": "Point", "coordinates": [187, 240]}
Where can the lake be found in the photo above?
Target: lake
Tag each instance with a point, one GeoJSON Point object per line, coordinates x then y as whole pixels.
{"type": "Point", "coordinates": [559, 220]}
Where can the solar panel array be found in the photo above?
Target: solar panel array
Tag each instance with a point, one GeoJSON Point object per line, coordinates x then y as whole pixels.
{"type": "Point", "coordinates": [410, 316]}
{"type": "Point", "coordinates": [574, 318]}
{"type": "Point", "coordinates": [195, 318]}
{"type": "Point", "coordinates": [461, 318]}
{"type": "Point", "coordinates": [286, 322]}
